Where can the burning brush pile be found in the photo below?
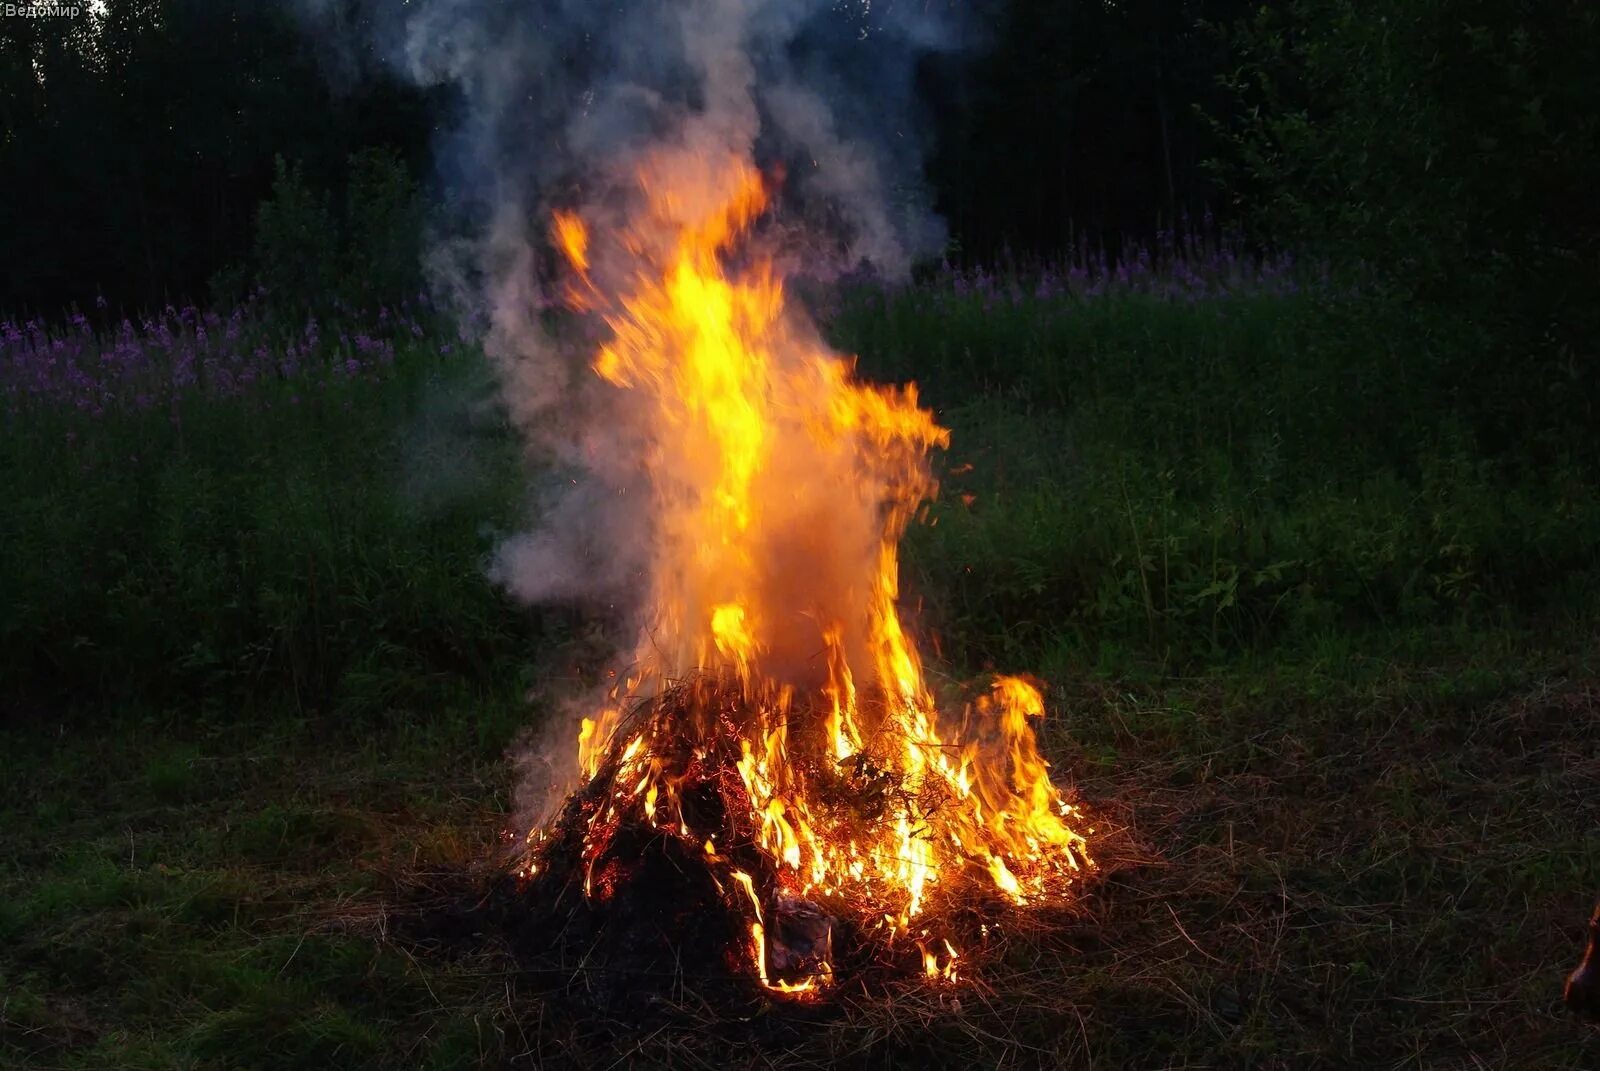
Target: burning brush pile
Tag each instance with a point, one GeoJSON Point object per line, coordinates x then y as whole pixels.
{"type": "Point", "coordinates": [771, 789]}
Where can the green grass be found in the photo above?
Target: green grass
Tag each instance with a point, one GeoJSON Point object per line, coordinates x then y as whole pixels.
{"type": "Point", "coordinates": [322, 546]}
{"type": "Point", "coordinates": [1323, 670]}
{"type": "Point", "coordinates": [1360, 860]}
{"type": "Point", "coordinates": [1133, 480]}
{"type": "Point", "coordinates": [236, 919]}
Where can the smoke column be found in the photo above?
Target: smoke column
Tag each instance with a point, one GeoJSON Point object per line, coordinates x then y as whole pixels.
{"type": "Point", "coordinates": [555, 104]}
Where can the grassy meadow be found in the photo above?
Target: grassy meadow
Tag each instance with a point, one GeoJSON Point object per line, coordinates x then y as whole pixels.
{"type": "Point", "coordinates": [1318, 628]}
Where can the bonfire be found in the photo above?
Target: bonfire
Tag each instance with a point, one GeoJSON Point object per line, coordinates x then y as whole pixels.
{"type": "Point", "coordinates": [771, 769]}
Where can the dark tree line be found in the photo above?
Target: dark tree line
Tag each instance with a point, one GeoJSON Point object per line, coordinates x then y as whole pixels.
{"type": "Point", "coordinates": [135, 153]}
{"type": "Point", "coordinates": [1449, 144]}
{"type": "Point", "coordinates": [1448, 151]}
{"type": "Point", "coordinates": [1082, 121]}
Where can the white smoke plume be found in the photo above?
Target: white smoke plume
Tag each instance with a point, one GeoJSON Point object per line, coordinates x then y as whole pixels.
{"type": "Point", "coordinates": [556, 100]}
{"type": "Point", "coordinates": [552, 104]}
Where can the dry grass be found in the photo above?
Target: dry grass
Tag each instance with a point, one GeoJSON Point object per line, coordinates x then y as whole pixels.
{"type": "Point", "coordinates": [1391, 872]}
{"type": "Point", "coordinates": [1383, 893]}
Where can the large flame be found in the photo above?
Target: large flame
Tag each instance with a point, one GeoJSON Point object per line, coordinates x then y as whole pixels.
{"type": "Point", "coordinates": [779, 488]}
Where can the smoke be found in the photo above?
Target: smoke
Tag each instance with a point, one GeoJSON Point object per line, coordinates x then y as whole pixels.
{"type": "Point", "coordinates": [555, 102]}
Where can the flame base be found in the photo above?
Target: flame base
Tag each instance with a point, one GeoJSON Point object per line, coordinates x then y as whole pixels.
{"type": "Point", "coordinates": [666, 853]}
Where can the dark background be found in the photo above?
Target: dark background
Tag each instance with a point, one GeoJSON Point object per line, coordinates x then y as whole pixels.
{"type": "Point", "coordinates": [1447, 148]}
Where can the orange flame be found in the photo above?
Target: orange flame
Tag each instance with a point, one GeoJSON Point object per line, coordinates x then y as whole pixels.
{"type": "Point", "coordinates": [573, 238]}
{"type": "Point", "coordinates": [780, 488]}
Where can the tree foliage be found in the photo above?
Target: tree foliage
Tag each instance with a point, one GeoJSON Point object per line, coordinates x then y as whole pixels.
{"type": "Point", "coordinates": [1448, 147]}
{"type": "Point", "coordinates": [137, 144]}
{"type": "Point", "coordinates": [1451, 150]}
{"type": "Point", "coordinates": [1082, 121]}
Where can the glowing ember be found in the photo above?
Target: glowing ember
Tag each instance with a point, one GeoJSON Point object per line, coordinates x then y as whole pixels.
{"type": "Point", "coordinates": [774, 717]}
